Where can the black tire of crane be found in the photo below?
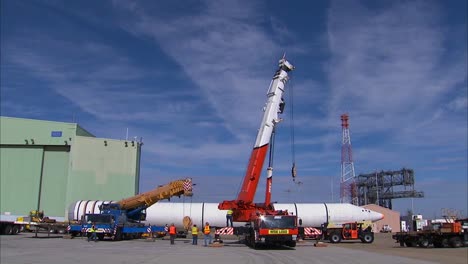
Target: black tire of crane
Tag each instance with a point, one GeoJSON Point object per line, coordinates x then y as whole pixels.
{"type": "Point", "coordinates": [251, 238]}
{"type": "Point", "coordinates": [455, 242]}
{"type": "Point", "coordinates": [252, 243]}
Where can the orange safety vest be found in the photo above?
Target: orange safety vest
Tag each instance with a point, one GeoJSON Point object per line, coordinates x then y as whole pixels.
{"type": "Point", "coordinates": [207, 230]}
{"type": "Point", "coordinates": [172, 230]}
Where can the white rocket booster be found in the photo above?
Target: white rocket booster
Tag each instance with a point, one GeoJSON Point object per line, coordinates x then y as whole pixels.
{"type": "Point", "coordinates": [313, 215]}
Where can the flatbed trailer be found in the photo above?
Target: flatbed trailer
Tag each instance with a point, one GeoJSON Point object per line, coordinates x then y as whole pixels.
{"type": "Point", "coordinates": [113, 231]}
{"type": "Point", "coordinates": [447, 235]}
{"type": "Point", "coordinates": [9, 226]}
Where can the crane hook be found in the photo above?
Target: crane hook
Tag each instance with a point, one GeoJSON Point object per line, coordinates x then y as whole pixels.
{"type": "Point", "coordinates": [294, 171]}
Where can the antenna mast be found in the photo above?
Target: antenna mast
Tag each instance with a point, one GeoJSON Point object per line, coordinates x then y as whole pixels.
{"type": "Point", "coordinates": [348, 190]}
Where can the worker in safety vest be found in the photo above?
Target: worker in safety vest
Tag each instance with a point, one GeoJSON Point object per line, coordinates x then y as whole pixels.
{"type": "Point", "coordinates": [172, 233]}
{"type": "Point", "coordinates": [207, 233]}
{"type": "Point", "coordinates": [229, 217]}
{"type": "Point", "coordinates": [194, 235]}
{"type": "Point", "coordinates": [92, 234]}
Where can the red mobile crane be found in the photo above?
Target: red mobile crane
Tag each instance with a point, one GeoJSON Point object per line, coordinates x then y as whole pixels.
{"type": "Point", "coordinates": [265, 225]}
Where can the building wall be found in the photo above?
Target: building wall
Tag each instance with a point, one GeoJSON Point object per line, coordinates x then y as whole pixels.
{"type": "Point", "coordinates": [48, 165]}
{"type": "Point", "coordinates": [54, 178]}
{"type": "Point", "coordinates": [102, 169]}
{"type": "Point", "coordinates": [19, 131]}
{"type": "Point", "coordinates": [391, 218]}
{"type": "Point", "coordinates": [20, 172]}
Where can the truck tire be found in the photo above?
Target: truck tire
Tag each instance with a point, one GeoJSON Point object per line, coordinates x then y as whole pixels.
{"type": "Point", "coordinates": [455, 242]}
{"type": "Point", "coordinates": [367, 238]}
{"type": "Point", "coordinates": [291, 244]}
{"type": "Point", "coordinates": [251, 238]}
{"type": "Point", "coordinates": [335, 238]}
{"type": "Point", "coordinates": [8, 230]}
{"type": "Point", "coordinates": [423, 242]}
{"type": "Point", "coordinates": [100, 236]}
{"type": "Point", "coordinates": [437, 244]}
{"type": "Point", "coordinates": [118, 234]}
{"type": "Point", "coordinates": [411, 243]}
{"type": "Point", "coordinates": [16, 229]}
{"type": "Point", "coordinates": [445, 243]}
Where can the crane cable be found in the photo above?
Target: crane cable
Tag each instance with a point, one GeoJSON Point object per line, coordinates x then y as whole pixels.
{"type": "Point", "coordinates": [293, 148]}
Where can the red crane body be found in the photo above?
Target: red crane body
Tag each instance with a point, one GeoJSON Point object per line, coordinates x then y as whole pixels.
{"type": "Point", "coordinates": [244, 208]}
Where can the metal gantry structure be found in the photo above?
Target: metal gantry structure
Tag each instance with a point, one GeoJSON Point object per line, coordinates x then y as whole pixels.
{"type": "Point", "coordinates": [348, 191]}
{"type": "Point", "coordinates": [382, 187]}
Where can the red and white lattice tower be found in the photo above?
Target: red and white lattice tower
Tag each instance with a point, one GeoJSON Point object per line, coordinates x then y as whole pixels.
{"type": "Point", "coordinates": [348, 191]}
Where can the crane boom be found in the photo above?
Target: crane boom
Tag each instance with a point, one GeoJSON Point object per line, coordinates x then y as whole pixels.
{"type": "Point", "coordinates": [122, 219]}
{"type": "Point", "coordinates": [174, 188]}
{"type": "Point", "coordinates": [243, 206]}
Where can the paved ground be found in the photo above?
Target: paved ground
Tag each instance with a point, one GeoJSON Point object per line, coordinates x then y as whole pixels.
{"type": "Point", "coordinates": [25, 249]}
{"type": "Point", "coordinates": [384, 244]}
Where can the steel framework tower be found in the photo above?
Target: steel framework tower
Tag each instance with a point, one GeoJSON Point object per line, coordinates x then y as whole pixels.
{"type": "Point", "coordinates": [382, 187]}
{"type": "Point", "coordinates": [348, 190]}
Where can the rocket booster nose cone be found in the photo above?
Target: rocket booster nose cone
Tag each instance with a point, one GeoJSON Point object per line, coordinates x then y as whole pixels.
{"type": "Point", "coordinates": [376, 216]}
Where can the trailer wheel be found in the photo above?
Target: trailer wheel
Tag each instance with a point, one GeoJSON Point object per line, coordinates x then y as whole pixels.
{"type": "Point", "coordinates": [424, 243]}
{"type": "Point", "coordinates": [455, 242]}
{"type": "Point", "coordinates": [16, 229]}
{"type": "Point", "coordinates": [437, 244]}
{"type": "Point", "coordinates": [367, 238]}
{"type": "Point", "coordinates": [411, 243]}
{"type": "Point", "coordinates": [335, 238]}
{"type": "Point", "coordinates": [8, 230]}
{"type": "Point", "coordinates": [445, 243]}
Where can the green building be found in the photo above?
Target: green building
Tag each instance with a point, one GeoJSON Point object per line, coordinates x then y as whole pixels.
{"type": "Point", "coordinates": [49, 165]}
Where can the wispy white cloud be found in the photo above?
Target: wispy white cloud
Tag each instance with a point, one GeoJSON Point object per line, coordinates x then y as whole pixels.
{"type": "Point", "coordinates": [390, 66]}
{"type": "Point", "coordinates": [389, 61]}
{"type": "Point", "coordinates": [221, 49]}
{"type": "Point", "coordinates": [98, 79]}
{"type": "Point", "coordinates": [387, 69]}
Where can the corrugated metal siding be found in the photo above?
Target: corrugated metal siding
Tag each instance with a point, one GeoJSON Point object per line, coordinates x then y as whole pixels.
{"type": "Point", "coordinates": [20, 170]}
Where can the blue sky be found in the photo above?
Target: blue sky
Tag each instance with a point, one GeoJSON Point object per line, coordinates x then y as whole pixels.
{"type": "Point", "coordinates": [190, 78]}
